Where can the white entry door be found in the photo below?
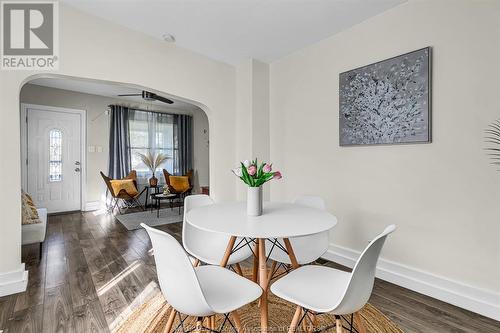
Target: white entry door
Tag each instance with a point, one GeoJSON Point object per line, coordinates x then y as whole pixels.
{"type": "Point", "coordinates": [54, 159]}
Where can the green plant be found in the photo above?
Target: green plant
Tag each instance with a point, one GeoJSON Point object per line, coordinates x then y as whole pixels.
{"type": "Point", "coordinates": [254, 175]}
{"type": "Point", "coordinates": [493, 138]}
{"type": "Point", "coordinates": [153, 160]}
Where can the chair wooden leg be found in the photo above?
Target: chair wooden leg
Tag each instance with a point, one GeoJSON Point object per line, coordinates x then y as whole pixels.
{"type": "Point", "coordinates": [213, 322]}
{"type": "Point", "coordinates": [196, 263]}
{"type": "Point", "coordinates": [199, 324]}
{"type": "Point", "coordinates": [227, 254]}
{"type": "Point", "coordinates": [295, 320]}
{"type": "Point", "coordinates": [237, 321]}
{"type": "Point", "coordinates": [238, 269]}
{"type": "Point", "coordinates": [304, 322]}
{"type": "Point", "coordinates": [338, 324]}
{"type": "Point", "coordinates": [359, 322]}
{"type": "Point", "coordinates": [170, 321]}
{"type": "Point", "coordinates": [270, 275]}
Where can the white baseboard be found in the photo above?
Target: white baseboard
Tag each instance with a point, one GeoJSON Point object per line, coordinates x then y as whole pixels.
{"type": "Point", "coordinates": [93, 205]}
{"type": "Point", "coordinates": [484, 302]}
{"type": "Point", "coordinates": [13, 282]}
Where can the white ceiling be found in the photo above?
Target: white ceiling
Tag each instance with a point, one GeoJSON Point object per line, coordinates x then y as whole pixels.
{"type": "Point", "coordinates": [111, 90]}
{"type": "Point", "coordinates": [235, 30]}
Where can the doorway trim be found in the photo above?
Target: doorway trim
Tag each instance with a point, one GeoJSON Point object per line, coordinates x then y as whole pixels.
{"type": "Point", "coordinates": [83, 143]}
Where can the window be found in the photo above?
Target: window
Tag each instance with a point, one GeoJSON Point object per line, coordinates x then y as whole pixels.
{"type": "Point", "coordinates": [55, 155]}
{"type": "Point", "coordinates": [154, 132]}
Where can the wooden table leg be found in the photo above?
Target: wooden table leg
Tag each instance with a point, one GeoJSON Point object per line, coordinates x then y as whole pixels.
{"type": "Point", "coordinates": [291, 254]}
{"type": "Point", "coordinates": [255, 261]}
{"type": "Point", "coordinates": [227, 254]}
{"type": "Point", "coordinates": [263, 285]}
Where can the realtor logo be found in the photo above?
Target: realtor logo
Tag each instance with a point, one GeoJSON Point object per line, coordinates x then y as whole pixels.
{"type": "Point", "coordinates": [29, 35]}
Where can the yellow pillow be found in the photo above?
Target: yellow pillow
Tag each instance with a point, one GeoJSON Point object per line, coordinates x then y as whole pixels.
{"type": "Point", "coordinates": [179, 183]}
{"type": "Point", "coordinates": [124, 184]}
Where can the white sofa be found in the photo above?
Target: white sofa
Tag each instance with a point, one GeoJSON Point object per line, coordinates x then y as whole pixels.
{"type": "Point", "coordinates": [35, 233]}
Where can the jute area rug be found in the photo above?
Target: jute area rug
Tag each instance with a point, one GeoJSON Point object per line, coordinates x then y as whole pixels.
{"type": "Point", "coordinates": [152, 317]}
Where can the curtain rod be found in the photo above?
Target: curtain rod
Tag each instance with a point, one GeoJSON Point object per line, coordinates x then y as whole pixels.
{"type": "Point", "coordinates": [144, 110]}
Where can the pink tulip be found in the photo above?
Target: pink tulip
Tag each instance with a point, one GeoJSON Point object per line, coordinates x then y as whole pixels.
{"type": "Point", "coordinates": [267, 168]}
{"type": "Point", "coordinates": [252, 170]}
{"type": "Point", "coordinates": [277, 175]}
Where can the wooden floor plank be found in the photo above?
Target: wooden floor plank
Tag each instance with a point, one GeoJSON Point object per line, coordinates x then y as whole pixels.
{"type": "Point", "coordinates": [90, 318]}
{"type": "Point", "coordinates": [58, 310]}
{"type": "Point", "coordinates": [26, 321]}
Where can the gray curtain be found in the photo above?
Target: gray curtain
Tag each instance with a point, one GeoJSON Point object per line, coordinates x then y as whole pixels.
{"type": "Point", "coordinates": [183, 141]}
{"type": "Point", "coordinates": [119, 142]}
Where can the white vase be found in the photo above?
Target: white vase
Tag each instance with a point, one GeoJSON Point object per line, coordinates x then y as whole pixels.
{"type": "Point", "coordinates": [254, 201]}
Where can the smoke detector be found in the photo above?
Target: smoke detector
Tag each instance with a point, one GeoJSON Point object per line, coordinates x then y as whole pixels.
{"type": "Point", "coordinates": [168, 38]}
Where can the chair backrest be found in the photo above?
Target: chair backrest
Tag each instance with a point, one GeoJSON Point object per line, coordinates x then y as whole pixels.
{"type": "Point", "coordinates": [188, 174]}
{"type": "Point", "coordinates": [317, 244]}
{"type": "Point", "coordinates": [360, 285]}
{"type": "Point", "coordinates": [131, 175]}
{"type": "Point", "coordinates": [166, 174]}
{"type": "Point", "coordinates": [178, 281]}
{"type": "Point", "coordinates": [190, 233]}
{"type": "Point", "coordinates": [107, 181]}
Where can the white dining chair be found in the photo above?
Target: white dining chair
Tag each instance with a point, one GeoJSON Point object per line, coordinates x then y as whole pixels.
{"type": "Point", "coordinates": [318, 289]}
{"type": "Point", "coordinates": [209, 247]}
{"type": "Point", "coordinates": [200, 292]}
{"type": "Point", "coordinates": [307, 249]}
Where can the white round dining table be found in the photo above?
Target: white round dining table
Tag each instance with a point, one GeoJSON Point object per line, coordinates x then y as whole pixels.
{"type": "Point", "coordinates": [278, 220]}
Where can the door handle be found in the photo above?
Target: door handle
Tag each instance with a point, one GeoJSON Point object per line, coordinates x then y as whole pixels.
{"type": "Point", "coordinates": [77, 169]}
{"type": "Point", "coordinates": [77, 163]}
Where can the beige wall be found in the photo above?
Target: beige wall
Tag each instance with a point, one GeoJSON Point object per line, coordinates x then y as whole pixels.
{"type": "Point", "coordinates": [98, 131]}
{"type": "Point", "coordinates": [252, 118]}
{"type": "Point", "coordinates": [97, 49]}
{"type": "Point", "coordinates": [443, 196]}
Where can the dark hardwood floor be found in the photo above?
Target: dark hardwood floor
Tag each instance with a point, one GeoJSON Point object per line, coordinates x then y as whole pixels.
{"type": "Point", "coordinates": [93, 273]}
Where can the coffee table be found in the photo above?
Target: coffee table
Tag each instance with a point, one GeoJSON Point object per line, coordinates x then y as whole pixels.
{"type": "Point", "coordinates": [158, 197]}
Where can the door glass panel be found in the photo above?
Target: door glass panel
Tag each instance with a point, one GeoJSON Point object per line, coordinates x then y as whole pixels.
{"type": "Point", "coordinates": [55, 155]}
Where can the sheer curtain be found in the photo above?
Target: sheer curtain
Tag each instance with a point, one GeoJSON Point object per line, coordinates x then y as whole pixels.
{"type": "Point", "coordinates": [170, 134]}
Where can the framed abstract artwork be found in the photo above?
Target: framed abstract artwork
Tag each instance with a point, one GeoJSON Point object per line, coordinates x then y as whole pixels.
{"type": "Point", "coordinates": [388, 102]}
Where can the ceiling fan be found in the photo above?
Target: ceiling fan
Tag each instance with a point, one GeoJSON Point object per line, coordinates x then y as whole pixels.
{"type": "Point", "coordinates": [149, 96]}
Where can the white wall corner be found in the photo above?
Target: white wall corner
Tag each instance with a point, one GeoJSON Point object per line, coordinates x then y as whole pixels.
{"type": "Point", "coordinates": [484, 302]}
{"type": "Point", "coordinates": [93, 205]}
{"type": "Point", "coordinates": [14, 281]}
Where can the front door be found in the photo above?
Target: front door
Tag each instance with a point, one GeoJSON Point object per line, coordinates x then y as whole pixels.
{"type": "Point", "coordinates": [54, 159]}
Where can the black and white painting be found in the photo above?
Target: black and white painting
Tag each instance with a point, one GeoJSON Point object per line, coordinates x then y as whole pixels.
{"type": "Point", "coordinates": [387, 102]}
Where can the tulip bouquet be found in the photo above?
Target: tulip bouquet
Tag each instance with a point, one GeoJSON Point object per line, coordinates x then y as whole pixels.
{"type": "Point", "coordinates": [255, 175]}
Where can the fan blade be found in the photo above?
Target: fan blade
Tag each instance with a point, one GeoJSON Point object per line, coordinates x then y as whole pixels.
{"type": "Point", "coordinates": [130, 95]}
{"type": "Point", "coordinates": [162, 99]}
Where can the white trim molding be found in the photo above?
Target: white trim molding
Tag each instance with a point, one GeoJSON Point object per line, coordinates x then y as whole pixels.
{"type": "Point", "coordinates": [13, 282]}
{"type": "Point", "coordinates": [484, 302]}
{"type": "Point", "coordinates": [93, 205]}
